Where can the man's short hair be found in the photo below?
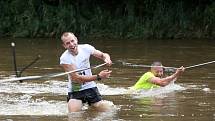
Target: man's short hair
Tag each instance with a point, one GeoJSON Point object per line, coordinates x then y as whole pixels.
{"type": "Point", "coordinates": [66, 34]}
{"type": "Point", "coordinates": [156, 63]}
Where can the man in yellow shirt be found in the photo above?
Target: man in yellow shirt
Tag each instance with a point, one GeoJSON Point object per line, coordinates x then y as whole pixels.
{"type": "Point", "coordinates": [153, 78]}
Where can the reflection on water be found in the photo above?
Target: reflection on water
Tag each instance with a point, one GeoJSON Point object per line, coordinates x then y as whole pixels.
{"type": "Point", "coordinates": [190, 97]}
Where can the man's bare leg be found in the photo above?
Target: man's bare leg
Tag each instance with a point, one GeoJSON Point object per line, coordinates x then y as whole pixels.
{"type": "Point", "coordinates": [103, 105]}
{"type": "Point", "coordinates": [74, 105]}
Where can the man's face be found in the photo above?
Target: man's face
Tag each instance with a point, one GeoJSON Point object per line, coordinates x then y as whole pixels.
{"type": "Point", "coordinates": [157, 71]}
{"type": "Point", "coordinates": [71, 43]}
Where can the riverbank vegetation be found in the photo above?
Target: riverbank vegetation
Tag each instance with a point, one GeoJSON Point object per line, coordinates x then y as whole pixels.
{"type": "Point", "coordinates": [147, 19]}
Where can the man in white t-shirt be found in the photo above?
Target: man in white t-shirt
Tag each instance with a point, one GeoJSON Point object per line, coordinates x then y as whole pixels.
{"type": "Point", "coordinates": [81, 85]}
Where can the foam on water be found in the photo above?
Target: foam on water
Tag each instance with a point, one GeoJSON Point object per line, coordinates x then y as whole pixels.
{"type": "Point", "coordinates": [206, 89]}
{"type": "Point", "coordinates": [23, 99]}
{"type": "Point", "coordinates": [202, 87]}
{"type": "Point", "coordinates": [53, 86]}
{"type": "Point", "coordinates": [25, 105]}
{"type": "Point", "coordinates": [27, 98]}
{"type": "Point", "coordinates": [106, 90]}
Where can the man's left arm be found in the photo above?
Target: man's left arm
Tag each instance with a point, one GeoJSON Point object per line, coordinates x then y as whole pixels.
{"type": "Point", "coordinates": [104, 56]}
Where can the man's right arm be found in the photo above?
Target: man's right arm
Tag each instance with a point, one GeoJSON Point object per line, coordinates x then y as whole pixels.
{"type": "Point", "coordinates": [84, 78]}
{"type": "Point", "coordinates": [165, 81]}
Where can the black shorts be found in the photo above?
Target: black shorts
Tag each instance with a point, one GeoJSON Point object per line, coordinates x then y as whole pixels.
{"type": "Point", "coordinates": [90, 95]}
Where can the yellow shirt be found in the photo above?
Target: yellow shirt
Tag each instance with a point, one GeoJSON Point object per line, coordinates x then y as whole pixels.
{"type": "Point", "coordinates": [143, 82]}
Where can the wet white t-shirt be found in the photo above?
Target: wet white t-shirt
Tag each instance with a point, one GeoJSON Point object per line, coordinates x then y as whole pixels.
{"type": "Point", "coordinates": [81, 61]}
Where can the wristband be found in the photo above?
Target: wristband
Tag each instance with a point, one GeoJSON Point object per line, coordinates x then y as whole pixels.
{"type": "Point", "coordinates": [98, 77]}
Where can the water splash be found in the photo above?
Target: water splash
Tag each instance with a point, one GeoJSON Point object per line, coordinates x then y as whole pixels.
{"type": "Point", "coordinates": [52, 86]}
{"type": "Point", "coordinates": [158, 92]}
{"type": "Point", "coordinates": [34, 98]}
{"type": "Point", "coordinates": [106, 90]}
{"type": "Point", "coordinates": [94, 115]}
{"type": "Point", "coordinates": [26, 105]}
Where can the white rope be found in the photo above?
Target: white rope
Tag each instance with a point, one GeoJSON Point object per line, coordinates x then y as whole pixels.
{"type": "Point", "coordinates": [49, 75]}
{"type": "Point", "coordinates": [148, 66]}
{"type": "Point", "coordinates": [145, 66]}
{"type": "Point", "coordinates": [201, 64]}
{"type": "Point", "coordinates": [188, 67]}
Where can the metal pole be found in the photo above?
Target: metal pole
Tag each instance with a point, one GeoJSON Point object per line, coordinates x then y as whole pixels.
{"type": "Point", "coordinates": [14, 58]}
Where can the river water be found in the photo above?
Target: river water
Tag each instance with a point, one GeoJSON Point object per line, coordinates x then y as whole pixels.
{"type": "Point", "coordinates": [190, 97]}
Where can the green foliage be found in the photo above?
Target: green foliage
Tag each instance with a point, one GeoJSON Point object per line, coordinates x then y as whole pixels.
{"type": "Point", "coordinates": [209, 21]}
{"type": "Point", "coordinates": [151, 19]}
